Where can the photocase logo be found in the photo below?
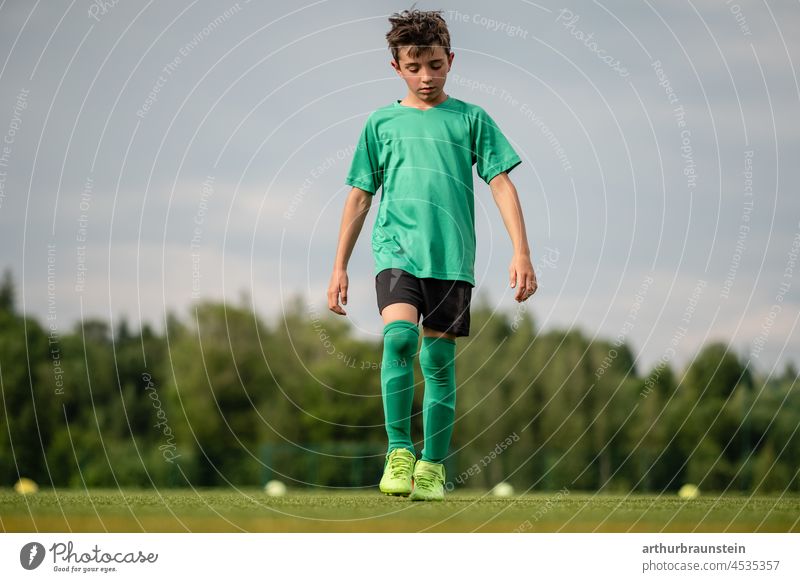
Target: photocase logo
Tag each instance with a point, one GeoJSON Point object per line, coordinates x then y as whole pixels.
{"type": "Point", "coordinates": [31, 555]}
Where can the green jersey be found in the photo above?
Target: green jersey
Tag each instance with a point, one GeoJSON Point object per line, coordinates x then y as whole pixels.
{"type": "Point", "coordinates": [423, 158]}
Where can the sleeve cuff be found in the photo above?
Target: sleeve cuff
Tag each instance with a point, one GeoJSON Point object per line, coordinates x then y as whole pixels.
{"type": "Point", "coordinates": [504, 166]}
{"type": "Point", "coordinates": [362, 185]}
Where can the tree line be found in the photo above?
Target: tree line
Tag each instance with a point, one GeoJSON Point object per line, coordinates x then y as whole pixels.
{"type": "Point", "coordinates": [223, 398]}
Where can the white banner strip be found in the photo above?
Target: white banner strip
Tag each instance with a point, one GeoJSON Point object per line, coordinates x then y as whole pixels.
{"type": "Point", "coordinates": [376, 557]}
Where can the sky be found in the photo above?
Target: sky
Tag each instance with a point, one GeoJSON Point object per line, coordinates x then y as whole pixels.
{"type": "Point", "coordinates": [158, 154]}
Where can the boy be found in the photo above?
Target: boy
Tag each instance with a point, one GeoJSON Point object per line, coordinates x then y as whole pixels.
{"type": "Point", "coordinates": [421, 150]}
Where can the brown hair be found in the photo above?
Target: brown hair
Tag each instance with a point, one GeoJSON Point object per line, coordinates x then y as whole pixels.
{"type": "Point", "coordinates": [420, 30]}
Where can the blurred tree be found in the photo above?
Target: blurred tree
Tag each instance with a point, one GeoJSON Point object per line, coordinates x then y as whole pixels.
{"type": "Point", "coordinates": [7, 292]}
{"type": "Point", "coordinates": [221, 397]}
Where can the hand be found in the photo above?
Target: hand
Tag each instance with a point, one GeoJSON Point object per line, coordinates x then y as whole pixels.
{"type": "Point", "coordinates": [522, 277]}
{"type": "Point", "coordinates": [337, 286]}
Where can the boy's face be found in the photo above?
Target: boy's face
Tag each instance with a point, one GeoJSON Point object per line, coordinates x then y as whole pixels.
{"type": "Point", "coordinates": [425, 75]}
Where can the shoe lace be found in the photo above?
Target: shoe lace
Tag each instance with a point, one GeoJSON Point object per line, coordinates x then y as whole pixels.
{"type": "Point", "coordinates": [398, 467]}
{"type": "Point", "coordinates": [426, 478]}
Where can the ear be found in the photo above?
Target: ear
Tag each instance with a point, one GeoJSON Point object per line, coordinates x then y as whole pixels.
{"type": "Point", "coordinates": [450, 58]}
{"type": "Point", "coordinates": [395, 66]}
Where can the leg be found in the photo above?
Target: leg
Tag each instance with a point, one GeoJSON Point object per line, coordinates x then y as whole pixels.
{"type": "Point", "coordinates": [428, 332]}
{"type": "Point", "coordinates": [397, 311]}
{"type": "Point", "coordinates": [437, 360]}
{"type": "Point", "coordinates": [401, 337]}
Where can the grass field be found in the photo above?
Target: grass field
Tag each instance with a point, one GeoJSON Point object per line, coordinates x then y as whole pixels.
{"type": "Point", "coordinates": [250, 510]}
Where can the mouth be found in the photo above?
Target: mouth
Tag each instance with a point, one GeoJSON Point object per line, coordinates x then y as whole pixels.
{"type": "Point", "coordinates": [426, 89]}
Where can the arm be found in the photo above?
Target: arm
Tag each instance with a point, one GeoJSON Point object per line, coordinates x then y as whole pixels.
{"type": "Point", "coordinates": [520, 270]}
{"type": "Point", "coordinates": [355, 212]}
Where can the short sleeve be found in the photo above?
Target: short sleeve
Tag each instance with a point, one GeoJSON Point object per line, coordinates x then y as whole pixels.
{"type": "Point", "coordinates": [491, 151]}
{"type": "Point", "coordinates": [365, 171]}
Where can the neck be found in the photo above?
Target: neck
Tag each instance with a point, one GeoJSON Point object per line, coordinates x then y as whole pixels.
{"type": "Point", "coordinates": [411, 100]}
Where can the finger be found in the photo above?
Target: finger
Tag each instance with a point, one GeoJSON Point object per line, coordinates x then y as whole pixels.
{"type": "Point", "coordinates": [531, 286]}
{"type": "Point", "coordinates": [521, 288]}
{"type": "Point", "coordinates": [333, 302]}
{"type": "Point", "coordinates": [344, 294]}
{"type": "Point", "coordinates": [512, 277]}
{"type": "Point", "coordinates": [338, 307]}
{"type": "Point", "coordinates": [534, 283]}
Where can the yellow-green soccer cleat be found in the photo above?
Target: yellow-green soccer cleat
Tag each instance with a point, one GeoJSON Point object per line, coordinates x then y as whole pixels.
{"type": "Point", "coordinates": [428, 481]}
{"type": "Point", "coordinates": [397, 471]}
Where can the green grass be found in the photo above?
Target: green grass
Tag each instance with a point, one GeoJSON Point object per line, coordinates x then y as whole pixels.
{"type": "Point", "coordinates": [250, 510]}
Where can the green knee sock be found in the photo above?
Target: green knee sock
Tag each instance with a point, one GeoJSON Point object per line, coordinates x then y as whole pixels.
{"type": "Point", "coordinates": [437, 360]}
{"type": "Point", "coordinates": [400, 339]}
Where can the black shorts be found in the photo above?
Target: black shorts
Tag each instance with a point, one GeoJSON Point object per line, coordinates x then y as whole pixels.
{"type": "Point", "coordinates": [443, 305]}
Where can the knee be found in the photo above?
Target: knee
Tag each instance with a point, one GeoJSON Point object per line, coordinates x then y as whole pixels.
{"type": "Point", "coordinates": [401, 338]}
{"type": "Point", "coordinates": [437, 355]}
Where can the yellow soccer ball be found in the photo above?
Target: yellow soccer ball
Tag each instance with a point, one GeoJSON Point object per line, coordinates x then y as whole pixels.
{"type": "Point", "coordinates": [26, 486]}
{"type": "Point", "coordinates": [275, 488]}
{"type": "Point", "coordinates": [503, 489]}
{"type": "Point", "coordinates": [688, 491]}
